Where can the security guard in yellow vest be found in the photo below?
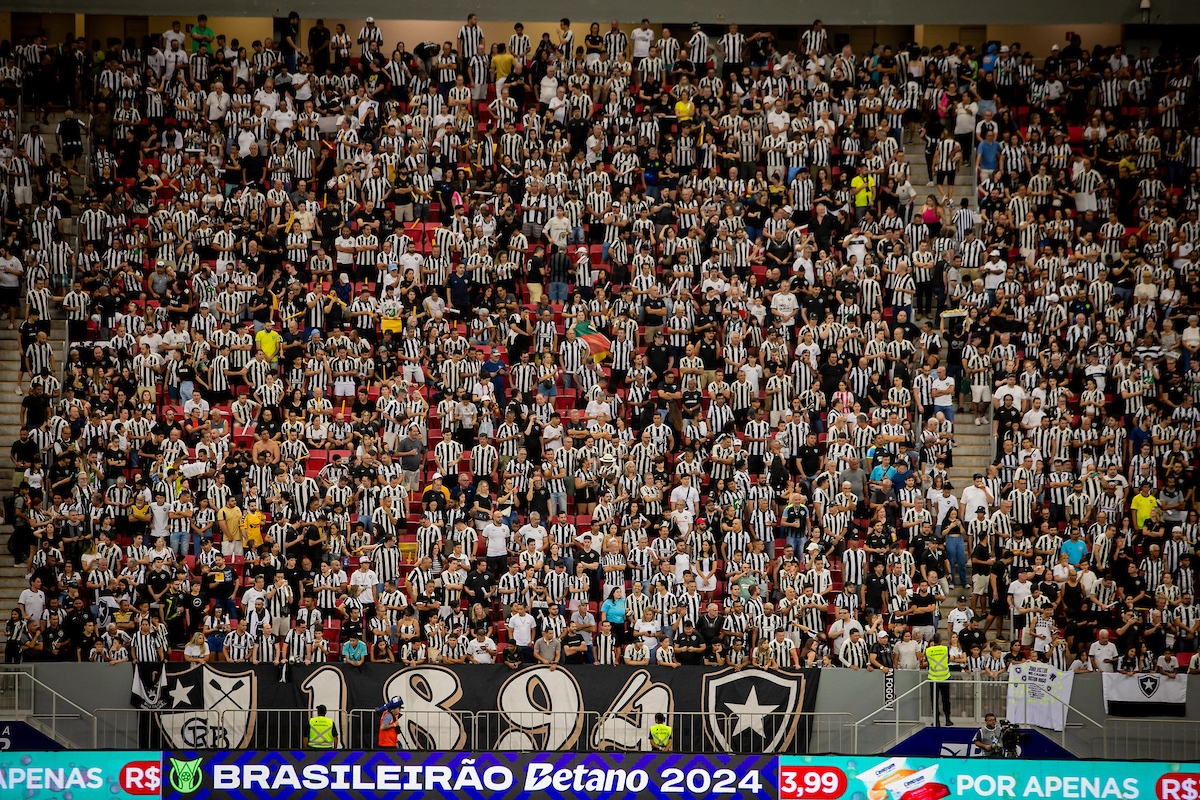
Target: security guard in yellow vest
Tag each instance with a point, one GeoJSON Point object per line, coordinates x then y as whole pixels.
{"type": "Point", "coordinates": [660, 734]}
{"type": "Point", "coordinates": [322, 733]}
{"type": "Point", "coordinates": [937, 670]}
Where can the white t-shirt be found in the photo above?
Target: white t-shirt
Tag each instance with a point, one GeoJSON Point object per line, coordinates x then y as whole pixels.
{"type": "Point", "coordinates": [944, 503]}
{"type": "Point", "coordinates": [33, 602]}
{"type": "Point", "coordinates": [1018, 591]}
{"type": "Point", "coordinates": [528, 532]}
{"type": "Point", "coordinates": [939, 385]}
{"type": "Point", "coordinates": [522, 627]}
{"type": "Point", "coordinates": [1101, 653]}
{"type": "Point", "coordinates": [839, 631]}
{"type": "Point", "coordinates": [497, 540]}
{"type": "Point", "coordinates": [959, 619]}
{"type": "Point", "coordinates": [368, 581]}
{"type": "Point", "coordinates": [1018, 395]}
{"type": "Point", "coordinates": [479, 651]}
{"type": "Point", "coordinates": [972, 498]}
{"type": "Point", "coordinates": [8, 279]}
{"type": "Point", "coordinates": [648, 631]}
{"type": "Point", "coordinates": [642, 39]}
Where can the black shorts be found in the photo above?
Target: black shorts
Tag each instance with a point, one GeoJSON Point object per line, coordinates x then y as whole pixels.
{"type": "Point", "coordinates": [946, 176]}
{"type": "Point", "coordinates": [10, 296]}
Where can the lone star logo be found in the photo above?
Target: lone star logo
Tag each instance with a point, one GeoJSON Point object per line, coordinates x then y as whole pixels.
{"type": "Point", "coordinates": [181, 694]}
{"type": "Point", "coordinates": [752, 710]}
{"type": "Point", "coordinates": [749, 714]}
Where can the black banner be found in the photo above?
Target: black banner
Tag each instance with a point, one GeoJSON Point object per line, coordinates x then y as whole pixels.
{"type": "Point", "coordinates": [448, 708]}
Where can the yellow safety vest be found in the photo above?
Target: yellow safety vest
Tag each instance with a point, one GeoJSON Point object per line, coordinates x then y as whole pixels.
{"type": "Point", "coordinates": [938, 660]}
{"type": "Point", "coordinates": [320, 733]}
{"type": "Point", "coordinates": [660, 734]}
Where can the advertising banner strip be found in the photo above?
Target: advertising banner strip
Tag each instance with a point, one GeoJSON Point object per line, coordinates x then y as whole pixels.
{"type": "Point", "coordinates": [901, 778]}
{"type": "Point", "coordinates": [81, 775]}
{"type": "Point", "coordinates": [359, 775]}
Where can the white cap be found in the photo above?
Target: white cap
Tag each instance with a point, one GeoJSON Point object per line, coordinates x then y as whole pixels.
{"type": "Point", "coordinates": [436, 476]}
{"type": "Point", "coordinates": [370, 20]}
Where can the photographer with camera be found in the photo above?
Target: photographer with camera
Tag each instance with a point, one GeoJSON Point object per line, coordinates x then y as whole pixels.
{"type": "Point", "coordinates": [987, 738]}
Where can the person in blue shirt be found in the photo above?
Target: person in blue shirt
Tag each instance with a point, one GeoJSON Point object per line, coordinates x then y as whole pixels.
{"type": "Point", "coordinates": [988, 62]}
{"type": "Point", "coordinates": [613, 609]}
{"type": "Point", "coordinates": [900, 474]}
{"type": "Point", "coordinates": [881, 476]}
{"type": "Point", "coordinates": [988, 153]}
{"type": "Point", "coordinates": [458, 292]}
{"type": "Point", "coordinates": [354, 651]}
{"type": "Point", "coordinates": [1075, 547]}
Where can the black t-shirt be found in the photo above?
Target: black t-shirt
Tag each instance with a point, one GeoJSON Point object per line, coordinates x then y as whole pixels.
{"type": "Point", "coordinates": [927, 601]}
{"type": "Point", "coordinates": [25, 451]}
{"type": "Point", "coordinates": [1007, 416]}
{"type": "Point", "coordinates": [883, 653]}
{"type": "Point", "coordinates": [873, 588]}
{"type": "Point", "coordinates": [1000, 570]}
{"type": "Point", "coordinates": [195, 604]}
{"type": "Point", "coordinates": [350, 628]}
{"type": "Point", "coordinates": [573, 640]}
{"type": "Point", "coordinates": [709, 628]}
{"type": "Point", "coordinates": [158, 580]}
{"type": "Point", "coordinates": [689, 640]}
{"type": "Point", "coordinates": [291, 30]}
{"type": "Point", "coordinates": [981, 551]}
{"type": "Point", "coordinates": [589, 557]}
{"type": "Point", "coordinates": [35, 412]}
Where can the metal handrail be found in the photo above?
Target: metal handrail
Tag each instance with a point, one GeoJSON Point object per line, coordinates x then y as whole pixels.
{"type": "Point", "coordinates": [1146, 738]}
{"type": "Point", "coordinates": [980, 686]}
{"type": "Point", "coordinates": [23, 677]}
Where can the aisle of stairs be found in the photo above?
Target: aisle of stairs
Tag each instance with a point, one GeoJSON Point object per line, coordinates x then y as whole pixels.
{"type": "Point", "coordinates": [973, 453]}
{"type": "Point", "coordinates": [12, 579]}
{"type": "Point", "coordinates": [965, 185]}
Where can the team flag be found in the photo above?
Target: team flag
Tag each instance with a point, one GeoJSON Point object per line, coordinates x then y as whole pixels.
{"type": "Point", "coordinates": [598, 344]}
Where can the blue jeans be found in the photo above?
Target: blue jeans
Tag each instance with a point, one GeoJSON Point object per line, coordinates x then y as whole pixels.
{"type": "Point", "coordinates": [956, 554]}
{"type": "Point", "coordinates": [558, 503]}
{"type": "Point", "coordinates": [179, 542]}
{"type": "Point", "coordinates": [947, 410]}
{"type": "Point", "coordinates": [558, 291]}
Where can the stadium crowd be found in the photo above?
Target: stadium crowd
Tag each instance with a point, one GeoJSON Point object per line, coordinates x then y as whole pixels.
{"type": "Point", "coordinates": [602, 347]}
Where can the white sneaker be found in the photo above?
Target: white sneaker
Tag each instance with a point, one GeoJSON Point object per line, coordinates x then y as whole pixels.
{"type": "Point", "coordinates": [980, 420]}
{"type": "Point", "coordinates": [929, 183]}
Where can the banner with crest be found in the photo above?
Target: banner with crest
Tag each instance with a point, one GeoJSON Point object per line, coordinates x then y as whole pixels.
{"type": "Point", "coordinates": [234, 706]}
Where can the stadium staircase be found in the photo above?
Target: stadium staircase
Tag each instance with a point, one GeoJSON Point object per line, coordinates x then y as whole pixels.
{"type": "Point", "coordinates": [12, 578]}
{"type": "Point", "coordinates": [974, 442]}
